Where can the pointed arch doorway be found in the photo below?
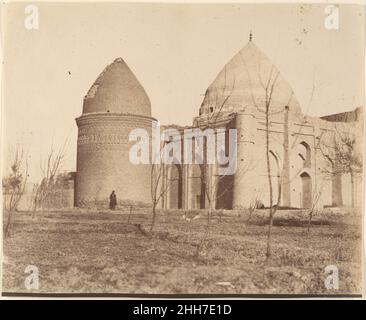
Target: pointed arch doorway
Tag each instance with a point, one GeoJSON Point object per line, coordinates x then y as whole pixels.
{"type": "Point", "coordinates": [175, 188]}
{"type": "Point", "coordinates": [306, 199]}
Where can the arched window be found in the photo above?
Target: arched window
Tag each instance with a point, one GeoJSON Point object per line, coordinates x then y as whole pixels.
{"type": "Point", "coordinates": [304, 153]}
{"type": "Point", "coordinates": [197, 187]}
{"type": "Point", "coordinates": [175, 188]}
{"type": "Point", "coordinates": [275, 177]}
{"type": "Point", "coordinates": [274, 163]}
{"type": "Point", "coordinates": [307, 194]}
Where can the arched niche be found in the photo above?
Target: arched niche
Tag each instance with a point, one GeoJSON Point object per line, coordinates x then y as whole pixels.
{"type": "Point", "coordinates": [306, 192]}
{"type": "Point", "coordinates": [175, 187]}
{"type": "Point", "coordinates": [304, 152]}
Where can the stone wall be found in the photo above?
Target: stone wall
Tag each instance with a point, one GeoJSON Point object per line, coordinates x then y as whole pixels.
{"type": "Point", "coordinates": [299, 168]}
{"type": "Point", "coordinates": [103, 161]}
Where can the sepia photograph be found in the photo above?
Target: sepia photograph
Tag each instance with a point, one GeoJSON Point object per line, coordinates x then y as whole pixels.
{"type": "Point", "coordinates": [182, 149]}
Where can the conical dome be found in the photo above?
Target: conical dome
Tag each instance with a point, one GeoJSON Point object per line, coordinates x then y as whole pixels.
{"type": "Point", "coordinates": [242, 84]}
{"type": "Point", "coordinates": [117, 90]}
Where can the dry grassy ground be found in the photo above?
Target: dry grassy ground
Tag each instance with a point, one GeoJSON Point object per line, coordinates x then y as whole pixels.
{"type": "Point", "coordinates": [99, 252]}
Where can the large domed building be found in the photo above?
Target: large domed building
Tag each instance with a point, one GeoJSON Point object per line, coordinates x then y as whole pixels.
{"type": "Point", "coordinates": [115, 104]}
{"type": "Point", "coordinates": [238, 98]}
{"type": "Point", "coordinates": [242, 83]}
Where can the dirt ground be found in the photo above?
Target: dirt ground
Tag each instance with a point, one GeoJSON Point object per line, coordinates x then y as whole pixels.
{"type": "Point", "coordinates": [80, 251]}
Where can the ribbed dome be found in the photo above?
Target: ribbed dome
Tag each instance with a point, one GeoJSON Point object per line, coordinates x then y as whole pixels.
{"type": "Point", "coordinates": [117, 90]}
{"type": "Point", "coordinates": [244, 77]}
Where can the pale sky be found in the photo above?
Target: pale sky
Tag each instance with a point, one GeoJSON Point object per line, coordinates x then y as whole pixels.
{"type": "Point", "coordinates": [175, 50]}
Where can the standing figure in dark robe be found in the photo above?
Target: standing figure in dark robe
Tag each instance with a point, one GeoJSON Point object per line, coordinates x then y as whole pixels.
{"type": "Point", "coordinates": [112, 201]}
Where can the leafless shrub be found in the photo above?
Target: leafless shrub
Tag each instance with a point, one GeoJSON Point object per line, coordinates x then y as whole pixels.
{"type": "Point", "coordinates": [50, 168]}
{"type": "Point", "coordinates": [14, 185]}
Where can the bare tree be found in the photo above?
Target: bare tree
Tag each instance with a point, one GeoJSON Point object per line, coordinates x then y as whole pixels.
{"type": "Point", "coordinates": [14, 185]}
{"type": "Point", "coordinates": [315, 199]}
{"type": "Point", "coordinates": [50, 168]}
{"type": "Point", "coordinates": [264, 105]}
{"type": "Point", "coordinates": [159, 186]}
{"type": "Point", "coordinates": [272, 209]}
{"type": "Point", "coordinates": [214, 109]}
{"type": "Point", "coordinates": [210, 179]}
{"type": "Point", "coordinates": [344, 156]}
